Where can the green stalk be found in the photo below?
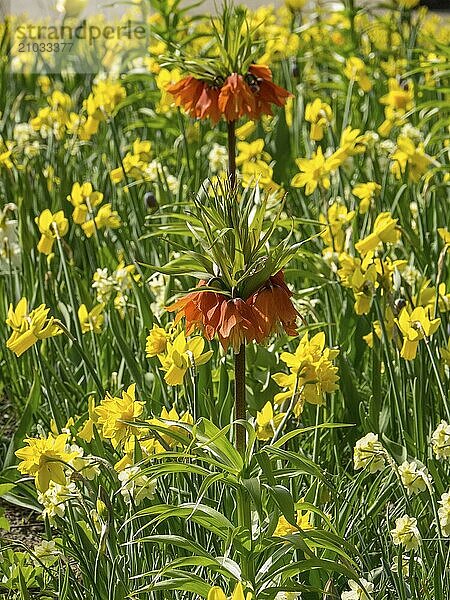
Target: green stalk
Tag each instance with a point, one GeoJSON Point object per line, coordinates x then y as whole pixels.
{"type": "Point", "coordinates": [240, 403]}
{"type": "Point", "coordinates": [348, 102]}
{"type": "Point", "coordinates": [232, 152]}
{"type": "Point", "coordinates": [86, 360]}
{"type": "Point", "coordinates": [54, 411]}
{"type": "Point", "coordinates": [71, 297]}
{"type": "Point", "coordinates": [186, 143]}
{"type": "Point", "coordinates": [69, 286]}
{"type": "Point", "coordinates": [438, 379]}
{"type": "Point", "coordinates": [390, 367]}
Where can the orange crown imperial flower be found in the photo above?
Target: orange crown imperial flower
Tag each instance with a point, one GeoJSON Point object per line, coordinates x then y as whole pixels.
{"type": "Point", "coordinates": [238, 320]}
{"type": "Point", "coordinates": [252, 95]}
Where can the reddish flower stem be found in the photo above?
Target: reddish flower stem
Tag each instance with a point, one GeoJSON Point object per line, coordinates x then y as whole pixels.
{"type": "Point", "coordinates": [240, 404]}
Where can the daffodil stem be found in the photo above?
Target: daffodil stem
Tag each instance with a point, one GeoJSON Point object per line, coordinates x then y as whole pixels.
{"type": "Point", "coordinates": [232, 152]}
{"type": "Point", "coordinates": [56, 414]}
{"type": "Point", "coordinates": [438, 379]}
{"type": "Point", "coordinates": [240, 404]}
{"type": "Point", "coordinates": [348, 103]}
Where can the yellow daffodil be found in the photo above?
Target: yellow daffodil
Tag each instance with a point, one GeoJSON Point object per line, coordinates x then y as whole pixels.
{"type": "Point", "coordinates": [366, 192]}
{"type": "Point", "coordinates": [216, 593]}
{"type": "Point", "coordinates": [355, 70]}
{"type": "Point", "coordinates": [303, 521]}
{"type": "Point", "coordinates": [105, 219]}
{"type": "Point", "coordinates": [295, 4]}
{"type": "Point", "coordinates": [180, 355]}
{"type": "Point", "coordinates": [103, 100]}
{"type": "Point", "coordinates": [91, 320]}
{"type": "Point", "coordinates": [134, 163]}
{"type": "Point", "coordinates": [257, 173]}
{"type": "Point", "coordinates": [384, 230]}
{"type": "Point", "coordinates": [150, 445]}
{"type": "Point", "coordinates": [100, 105]}
{"type": "Point", "coordinates": [364, 276]}
{"type": "Point", "coordinates": [245, 131]}
{"type": "Point", "coordinates": [83, 198]}
{"type": "Point", "coordinates": [113, 414]}
{"type": "Point", "coordinates": [361, 277]}
{"type": "Point", "coordinates": [267, 422]}
{"type": "Point", "coordinates": [409, 157]}
{"type": "Point", "coordinates": [319, 114]}
{"type": "Point", "coordinates": [415, 326]}
{"type": "Point", "coordinates": [87, 430]}
{"type": "Point", "coordinates": [45, 458]}
{"type": "Point", "coordinates": [426, 296]}
{"type": "Point", "coordinates": [315, 171]}
{"type": "Point", "coordinates": [171, 415]}
{"type": "Point", "coordinates": [163, 80]}
{"type": "Point", "coordinates": [398, 101]}
{"type": "Point", "coordinates": [251, 151]}
{"type": "Point", "coordinates": [28, 328]}
{"type": "Point", "coordinates": [51, 226]}
{"type": "Point", "coordinates": [337, 218]}
{"type": "Point", "coordinates": [312, 372]}
{"type": "Point", "coordinates": [445, 235]}
{"type": "Point", "coordinates": [351, 143]}
{"type": "Point", "coordinates": [5, 157]}
{"type": "Point", "coordinates": [156, 341]}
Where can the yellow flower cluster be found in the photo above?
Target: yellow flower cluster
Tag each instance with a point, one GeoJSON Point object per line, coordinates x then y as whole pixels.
{"type": "Point", "coordinates": [336, 220]}
{"type": "Point", "coordinates": [409, 158]}
{"type": "Point", "coordinates": [267, 422]}
{"type": "Point", "coordinates": [51, 227]}
{"type": "Point", "coordinates": [316, 171]}
{"type": "Point", "coordinates": [29, 327]}
{"type": "Point", "coordinates": [45, 459]}
{"type": "Point", "coordinates": [116, 414]}
{"type": "Point", "coordinates": [398, 101]}
{"type": "Point", "coordinates": [56, 118]}
{"type": "Point", "coordinates": [84, 200]}
{"type": "Point", "coordinates": [176, 354]}
{"type": "Point", "coordinates": [319, 114]}
{"type": "Point", "coordinates": [154, 436]}
{"type": "Point", "coordinates": [91, 321]}
{"type": "Point", "coordinates": [366, 274]}
{"type": "Point", "coordinates": [355, 70]}
{"type": "Point", "coordinates": [135, 163]}
{"type": "Point", "coordinates": [312, 373]}
{"type": "Point", "coordinates": [303, 522]}
{"type": "Point", "coordinates": [100, 105]}
{"type": "Point", "coordinates": [254, 164]}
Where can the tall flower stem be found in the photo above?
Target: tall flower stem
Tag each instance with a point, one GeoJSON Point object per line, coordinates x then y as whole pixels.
{"type": "Point", "coordinates": [240, 403]}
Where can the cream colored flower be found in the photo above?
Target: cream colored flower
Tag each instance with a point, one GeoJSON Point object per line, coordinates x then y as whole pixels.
{"type": "Point", "coordinates": [444, 514]}
{"type": "Point", "coordinates": [369, 453]}
{"type": "Point", "coordinates": [440, 440]}
{"type": "Point", "coordinates": [406, 533]}
{"type": "Point", "coordinates": [413, 477]}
